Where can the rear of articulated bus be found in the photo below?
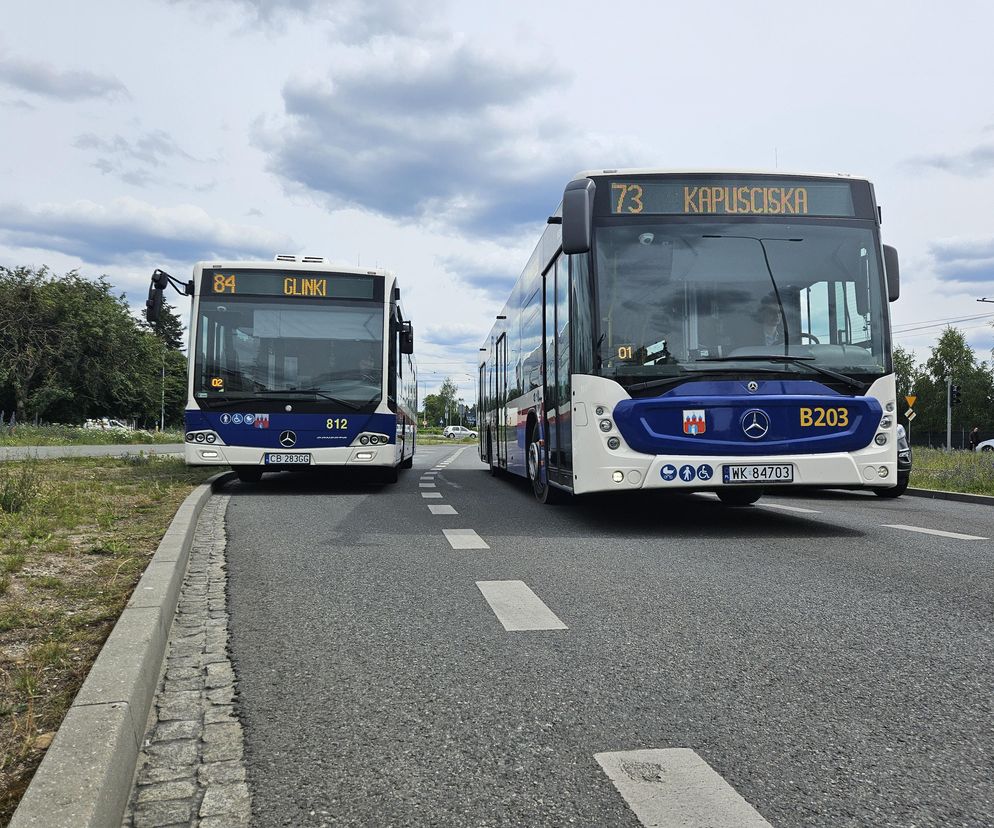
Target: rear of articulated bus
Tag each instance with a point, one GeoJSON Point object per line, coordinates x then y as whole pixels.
{"type": "Point", "coordinates": [290, 368]}
{"type": "Point", "coordinates": [741, 337]}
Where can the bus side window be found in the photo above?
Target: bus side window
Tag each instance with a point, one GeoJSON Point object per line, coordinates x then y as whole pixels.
{"type": "Point", "coordinates": [531, 343]}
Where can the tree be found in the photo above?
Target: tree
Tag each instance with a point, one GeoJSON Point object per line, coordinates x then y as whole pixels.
{"type": "Point", "coordinates": [169, 328]}
{"type": "Point", "coordinates": [73, 350]}
{"type": "Point", "coordinates": [907, 372]}
{"type": "Point", "coordinates": [952, 357]}
{"type": "Point", "coordinates": [29, 339]}
{"type": "Point", "coordinates": [441, 406]}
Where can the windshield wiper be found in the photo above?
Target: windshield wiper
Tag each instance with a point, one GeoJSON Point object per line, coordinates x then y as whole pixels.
{"type": "Point", "coordinates": [689, 375]}
{"type": "Point", "coordinates": [316, 393]}
{"type": "Point", "coordinates": [802, 361]}
{"type": "Point", "coordinates": [225, 402]}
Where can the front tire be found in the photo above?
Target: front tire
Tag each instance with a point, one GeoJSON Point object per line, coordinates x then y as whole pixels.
{"type": "Point", "coordinates": [248, 474]}
{"type": "Point", "coordinates": [544, 493]}
{"type": "Point", "coordinates": [897, 491]}
{"type": "Point", "coordinates": [739, 497]}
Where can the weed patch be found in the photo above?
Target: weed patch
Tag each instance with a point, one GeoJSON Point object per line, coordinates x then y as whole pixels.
{"type": "Point", "coordinates": [953, 471]}
{"type": "Point", "coordinates": [71, 553]}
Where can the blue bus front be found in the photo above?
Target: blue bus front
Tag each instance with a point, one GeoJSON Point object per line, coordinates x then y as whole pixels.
{"type": "Point", "coordinates": [739, 337]}
{"type": "Point", "coordinates": [287, 370]}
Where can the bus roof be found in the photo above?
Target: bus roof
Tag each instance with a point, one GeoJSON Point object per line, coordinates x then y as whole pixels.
{"type": "Point", "coordinates": [659, 171]}
{"type": "Point", "coordinates": [285, 264]}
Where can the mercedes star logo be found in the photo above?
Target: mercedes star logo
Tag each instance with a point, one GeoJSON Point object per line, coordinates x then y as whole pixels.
{"type": "Point", "coordinates": [753, 386]}
{"type": "Point", "coordinates": [755, 423]}
{"type": "Point", "coordinates": [288, 439]}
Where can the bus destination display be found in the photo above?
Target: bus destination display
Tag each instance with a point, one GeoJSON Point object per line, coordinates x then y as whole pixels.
{"type": "Point", "coordinates": [282, 283]}
{"type": "Point", "coordinates": [752, 197]}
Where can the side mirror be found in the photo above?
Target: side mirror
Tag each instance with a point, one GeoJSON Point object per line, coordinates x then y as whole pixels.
{"type": "Point", "coordinates": [407, 338]}
{"type": "Point", "coordinates": [578, 215]}
{"type": "Point", "coordinates": [893, 273]}
{"type": "Point", "coordinates": [153, 305]}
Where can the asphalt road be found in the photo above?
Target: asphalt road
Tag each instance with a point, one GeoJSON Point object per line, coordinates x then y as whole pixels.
{"type": "Point", "coordinates": [834, 670]}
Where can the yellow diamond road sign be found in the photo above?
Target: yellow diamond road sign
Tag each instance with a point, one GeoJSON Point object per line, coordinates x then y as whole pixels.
{"type": "Point", "coordinates": [911, 399]}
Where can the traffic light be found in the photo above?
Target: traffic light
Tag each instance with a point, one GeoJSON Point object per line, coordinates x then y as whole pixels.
{"type": "Point", "coordinates": [954, 394]}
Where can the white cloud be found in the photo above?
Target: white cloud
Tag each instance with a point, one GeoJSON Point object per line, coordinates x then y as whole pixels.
{"type": "Point", "coordinates": [441, 134]}
{"type": "Point", "coordinates": [45, 80]}
{"type": "Point", "coordinates": [349, 20]}
{"type": "Point", "coordinates": [130, 229]}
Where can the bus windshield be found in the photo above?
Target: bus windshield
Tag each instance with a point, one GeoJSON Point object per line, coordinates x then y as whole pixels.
{"type": "Point", "coordinates": [677, 297]}
{"type": "Point", "coordinates": [252, 347]}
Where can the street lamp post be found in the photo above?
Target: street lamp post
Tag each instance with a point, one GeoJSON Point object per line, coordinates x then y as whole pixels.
{"type": "Point", "coordinates": [162, 400]}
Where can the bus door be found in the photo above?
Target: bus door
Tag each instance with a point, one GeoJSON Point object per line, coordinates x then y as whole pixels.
{"type": "Point", "coordinates": [558, 437]}
{"type": "Point", "coordinates": [500, 403]}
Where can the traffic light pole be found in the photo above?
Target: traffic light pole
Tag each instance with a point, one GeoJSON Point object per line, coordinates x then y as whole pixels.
{"type": "Point", "coordinates": [949, 413]}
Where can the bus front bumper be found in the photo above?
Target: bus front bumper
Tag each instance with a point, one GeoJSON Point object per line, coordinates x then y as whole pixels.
{"type": "Point", "coordinates": [862, 469]}
{"type": "Point", "coordinates": [200, 454]}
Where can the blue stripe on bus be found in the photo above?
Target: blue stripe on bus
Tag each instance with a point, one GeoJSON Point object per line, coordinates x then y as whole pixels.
{"type": "Point", "coordinates": [311, 429]}
{"type": "Point", "coordinates": [655, 425]}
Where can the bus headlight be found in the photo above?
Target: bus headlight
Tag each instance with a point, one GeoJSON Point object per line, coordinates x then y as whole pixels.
{"type": "Point", "coordinates": [199, 437]}
{"type": "Point", "coordinates": [613, 442]}
{"type": "Point", "coordinates": [890, 406]}
{"type": "Point", "coordinates": [880, 439]}
{"type": "Point", "coordinates": [364, 440]}
{"type": "Point", "coordinates": [606, 425]}
{"type": "Point", "coordinates": [886, 422]}
{"type": "Point", "coordinates": [883, 471]}
{"type": "Point", "coordinates": [211, 438]}
{"type": "Point", "coordinates": [618, 477]}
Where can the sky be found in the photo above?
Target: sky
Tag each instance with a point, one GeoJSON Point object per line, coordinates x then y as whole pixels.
{"type": "Point", "coordinates": [434, 138]}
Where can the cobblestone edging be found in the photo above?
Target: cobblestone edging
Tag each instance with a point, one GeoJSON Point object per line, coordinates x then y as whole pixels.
{"type": "Point", "coordinates": [191, 770]}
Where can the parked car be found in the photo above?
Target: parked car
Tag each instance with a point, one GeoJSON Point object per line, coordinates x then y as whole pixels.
{"type": "Point", "coordinates": [105, 423]}
{"type": "Point", "coordinates": [903, 466]}
{"type": "Point", "coordinates": [986, 445]}
{"type": "Point", "coordinates": [458, 432]}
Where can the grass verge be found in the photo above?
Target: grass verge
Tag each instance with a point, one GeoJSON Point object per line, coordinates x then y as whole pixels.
{"type": "Point", "coordinates": [953, 471]}
{"type": "Point", "coordinates": [68, 435]}
{"type": "Point", "coordinates": [75, 537]}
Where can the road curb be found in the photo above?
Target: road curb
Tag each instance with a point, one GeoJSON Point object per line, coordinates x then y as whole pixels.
{"type": "Point", "coordinates": [86, 775]}
{"type": "Point", "coordinates": [938, 494]}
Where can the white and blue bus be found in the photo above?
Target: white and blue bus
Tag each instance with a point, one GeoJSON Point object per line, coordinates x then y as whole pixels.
{"type": "Point", "coordinates": [681, 331]}
{"type": "Point", "coordinates": [297, 363]}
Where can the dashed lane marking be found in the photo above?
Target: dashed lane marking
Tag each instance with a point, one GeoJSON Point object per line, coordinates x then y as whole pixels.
{"type": "Point", "coordinates": [938, 532]}
{"type": "Point", "coordinates": [427, 485]}
{"type": "Point", "coordinates": [431, 494]}
{"type": "Point", "coordinates": [443, 509]}
{"type": "Point", "coordinates": [675, 788]}
{"type": "Point", "coordinates": [787, 508]}
{"type": "Point", "coordinates": [517, 607]}
{"type": "Point", "coordinates": [464, 539]}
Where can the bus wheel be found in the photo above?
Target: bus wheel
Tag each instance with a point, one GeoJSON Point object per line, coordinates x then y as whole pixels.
{"type": "Point", "coordinates": [897, 491]}
{"type": "Point", "coordinates": [248, 474]}
{"type": "Point", "coordinates": [544, 493]}
{"type": "Point", "coordinates": [739, 497]}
